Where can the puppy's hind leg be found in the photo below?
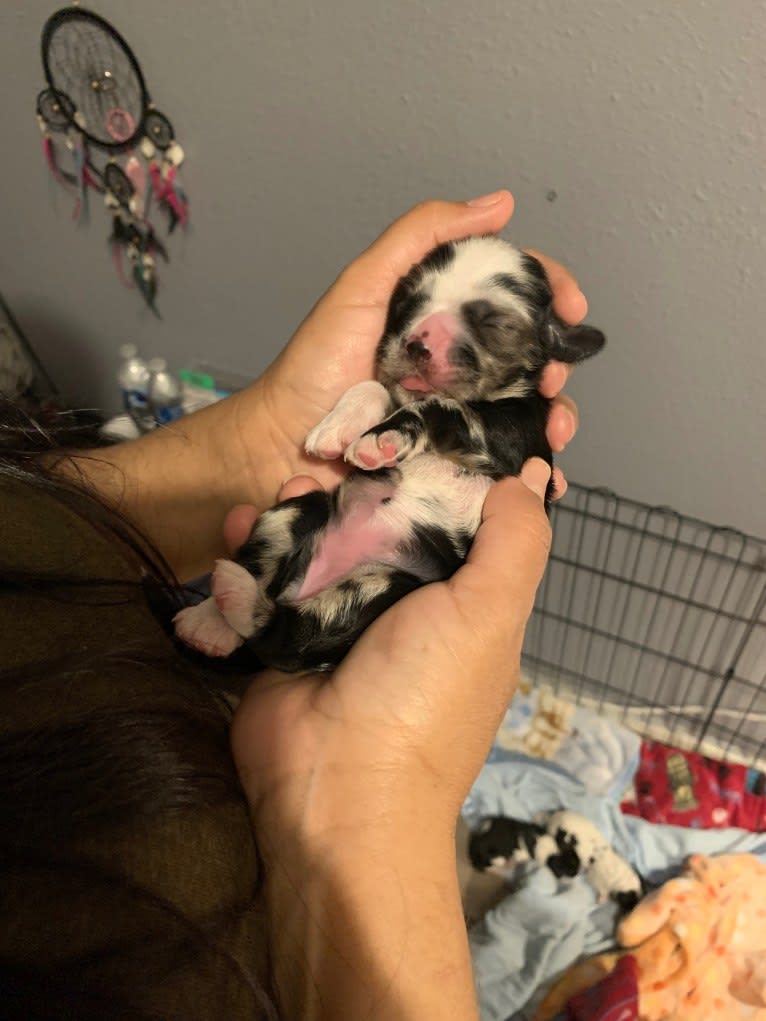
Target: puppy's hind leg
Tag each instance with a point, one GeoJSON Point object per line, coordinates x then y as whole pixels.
{"type": "Point", "coordinates": [218, 625]}
{"type": "Point", "coordinates": [204, 628]}
{"type": "Point", "coordinates": [235, 591]}
{"type": "Point", "coordinates": [239, 604]}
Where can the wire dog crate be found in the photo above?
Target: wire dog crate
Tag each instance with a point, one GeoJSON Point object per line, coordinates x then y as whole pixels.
{"type": "Point", "coordinates": [657, 619]}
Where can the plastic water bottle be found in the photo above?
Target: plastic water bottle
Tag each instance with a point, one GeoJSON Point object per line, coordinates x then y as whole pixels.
{"type": "Point", "coordinates": [133, 380]}
{"type": "Point", "coordinates": [165, 393]}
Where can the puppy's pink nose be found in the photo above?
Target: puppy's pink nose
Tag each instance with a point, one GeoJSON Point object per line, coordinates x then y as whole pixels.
{"type": "Point", "coordinates": [428, 346]}
{"type": "Point", "coordinates": [417, 350]}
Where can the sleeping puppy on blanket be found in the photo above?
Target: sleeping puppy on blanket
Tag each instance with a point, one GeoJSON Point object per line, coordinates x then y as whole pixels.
{"type": "Point", "coordinates": [500, 843]}
{"type": "Point", "coordinates": [566, 843]}
{"type": "Point", "coordinates": [454, 407]}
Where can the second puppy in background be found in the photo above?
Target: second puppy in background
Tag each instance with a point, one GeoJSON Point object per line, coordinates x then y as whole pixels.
{"type": "Point", "coordinates": [455, 406]}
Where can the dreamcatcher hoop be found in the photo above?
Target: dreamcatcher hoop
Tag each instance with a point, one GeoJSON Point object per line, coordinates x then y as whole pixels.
{"type": "Point", "coordinates": [96, 98]}
{"type": "Point", "coordinates": [74, 27]}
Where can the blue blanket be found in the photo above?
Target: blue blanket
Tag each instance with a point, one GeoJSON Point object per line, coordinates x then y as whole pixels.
{"type": "Point", "coordinates": [543, 927]}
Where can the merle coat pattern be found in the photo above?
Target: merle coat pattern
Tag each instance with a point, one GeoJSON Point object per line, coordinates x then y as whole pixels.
{"type": "Point", "coordinates": [455, 406]}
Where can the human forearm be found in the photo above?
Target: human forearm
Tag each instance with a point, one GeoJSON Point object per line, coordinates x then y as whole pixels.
{"type": "Point", "coordinates": [371, 926]}
{"type": "Point", "coordinates": [177, 483]}
{"type": "Point", "coordinates": [356, 779]}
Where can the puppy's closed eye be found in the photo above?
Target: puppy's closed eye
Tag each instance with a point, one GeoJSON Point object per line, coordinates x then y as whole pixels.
{"type": "Point", "coordinates": [466, 357]}
{"type": "Point", "coordinates": [480, 312]}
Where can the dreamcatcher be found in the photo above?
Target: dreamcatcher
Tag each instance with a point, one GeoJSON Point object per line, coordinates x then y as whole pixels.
{"type": "Point", "coordinates": [102, 133]}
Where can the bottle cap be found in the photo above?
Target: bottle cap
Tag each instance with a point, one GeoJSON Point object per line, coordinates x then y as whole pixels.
{"type": "Point", "coordinates": [157, 364]}
{"type": "Point", "coordinates": [128, 351]}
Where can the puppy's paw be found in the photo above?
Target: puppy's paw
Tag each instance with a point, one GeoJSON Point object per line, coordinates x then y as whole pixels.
{"type": "Point", "coordinates": [204, 628]}
{"type": "Point", "coordinates": [378, 451]}
{"type": "Point", "coordinates": [235, 592]}
{"type": "Point", "coordinates": [330, 438]}
{"type": "Point", "coordinates": [358, 410]}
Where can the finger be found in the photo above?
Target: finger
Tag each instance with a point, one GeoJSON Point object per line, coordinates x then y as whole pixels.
{"type": "Point", "coordinates": [238, 525]}
{"type": "Point", "coordinates": [568, 300]}
{"type": "Point", "coordinates": [510, 550]}
{"type": "Point", "coordinates": [555, 375]}
{"type": "Point", "coordinates": [297, 485]}
{"type": "Point", "coordinates": [563, 422]}
{"type": "Point", "coordinates": [413, 235]}
{"type": "Point", "coordinates": [535, 475]}
{"type": "Point", "coordinates": [560, 485]}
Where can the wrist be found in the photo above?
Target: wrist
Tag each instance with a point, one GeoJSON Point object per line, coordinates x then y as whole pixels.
{"type": "Point", "coordinates": [377, 916]}
{"type": "Point", "coordinates": [310, 803]}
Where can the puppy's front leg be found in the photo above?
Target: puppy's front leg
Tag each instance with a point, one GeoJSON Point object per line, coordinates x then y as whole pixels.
{"type": "Point", "coordinates": [438, 423]}
{"type": "Point", "coordinates": [360, 407]}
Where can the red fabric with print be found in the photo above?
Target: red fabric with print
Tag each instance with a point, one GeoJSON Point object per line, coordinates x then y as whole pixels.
{"type": "Point", "coordinates": [688, 789]}
{"type": "Point", "coordinates": [614, 998]}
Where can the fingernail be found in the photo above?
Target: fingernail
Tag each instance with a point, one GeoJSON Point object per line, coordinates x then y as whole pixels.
{"type": "Point", "coordinates": [488, 200]}
{"type": "Point", "coordinates": [535, 475]}
{"type": "Point", "coordinates": [571, 424]}
{"type": "Point", "coordinates": [298, 475]}
{"type": "Point", "coordinates": [584, 305]}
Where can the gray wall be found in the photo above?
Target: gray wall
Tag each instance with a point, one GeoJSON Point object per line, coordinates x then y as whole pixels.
{"type": "Point", "coordinates": [309, 127]}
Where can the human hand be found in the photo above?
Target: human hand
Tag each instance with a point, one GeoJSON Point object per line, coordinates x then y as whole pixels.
{"type": "Point", "coordinates": [334, 348]}
{"type": "Point", "coordinates": [423, 690]}
{"type": "Point", "coordinates": [355, 780]}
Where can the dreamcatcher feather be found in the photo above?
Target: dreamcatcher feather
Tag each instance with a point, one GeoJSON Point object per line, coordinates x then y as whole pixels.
{"type": "Point", "coordinates": [101, 132]}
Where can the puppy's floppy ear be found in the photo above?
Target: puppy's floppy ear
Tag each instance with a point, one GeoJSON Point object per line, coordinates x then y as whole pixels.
{"type": "Point", "coordinates": [571, 343]}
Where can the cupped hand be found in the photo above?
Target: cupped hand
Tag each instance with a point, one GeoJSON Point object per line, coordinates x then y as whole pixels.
{"type": "Point", "coordinates": [334, 347]}
{"type": "Point", "coordinates": [355, 781]}
{"type": "Point", "coordinates": [177, 484]}
{"type": "Point", "coordinates": [399, 731]}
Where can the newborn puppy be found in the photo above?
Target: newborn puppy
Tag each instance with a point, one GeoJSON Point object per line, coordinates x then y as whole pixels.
{"type": "Point", "coordinates": [566, 843]}
{"type": "Point", "coordinates": [609, 873]}
{"type": "Point", "coordinates": [500, 843]}
{"type": "Point", "coordinates": [454, 407]}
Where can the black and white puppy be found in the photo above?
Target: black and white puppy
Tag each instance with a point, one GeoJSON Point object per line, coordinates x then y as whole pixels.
{"type": "Point", "coordinates": [565, 842]}
{"type": "Point", "coordinates": [500, 843]}
{"type": "Point", "coordinates": [455, 406]}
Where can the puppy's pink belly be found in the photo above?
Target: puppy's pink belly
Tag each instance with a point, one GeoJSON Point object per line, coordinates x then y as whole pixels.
{"type": "Point", "coordinates": [360, 538]}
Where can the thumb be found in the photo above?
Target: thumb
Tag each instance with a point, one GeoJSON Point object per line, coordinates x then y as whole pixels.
{"type": "Point", "coordinates": [413, 235]}
{"type": "Point", "coordinates": [498, 583]}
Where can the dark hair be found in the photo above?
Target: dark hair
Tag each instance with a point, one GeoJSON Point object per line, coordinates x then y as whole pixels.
{"type": "Point", "coordinates": [129, 874]}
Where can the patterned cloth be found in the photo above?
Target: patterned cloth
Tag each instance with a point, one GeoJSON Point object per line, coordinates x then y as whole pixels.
{"type": "Point", "coordinates": [699, 945]}
{"type": "Point", "coordinates": [614, 998]}
{"type": "Point", "coordinates": [687, 789]}
{"type": "Point", "coordinates": [597, 750]}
